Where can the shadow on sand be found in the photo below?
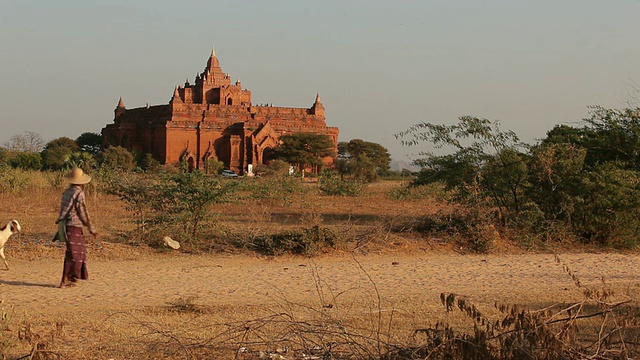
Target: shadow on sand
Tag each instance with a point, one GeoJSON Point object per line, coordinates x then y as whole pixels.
{"type": "Point", "coordinates": [23, 283]}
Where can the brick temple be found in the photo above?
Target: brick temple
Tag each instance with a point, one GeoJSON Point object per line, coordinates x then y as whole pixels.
{"type": "Point", "coordinates": [212, 118]}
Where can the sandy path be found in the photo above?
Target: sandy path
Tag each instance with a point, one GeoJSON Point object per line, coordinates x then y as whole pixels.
{"type": "Point", "coordinates": [241, 280]}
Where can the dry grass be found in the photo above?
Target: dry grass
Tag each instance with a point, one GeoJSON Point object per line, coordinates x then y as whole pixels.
{"type": "Point", "coordinates": [354, 324]}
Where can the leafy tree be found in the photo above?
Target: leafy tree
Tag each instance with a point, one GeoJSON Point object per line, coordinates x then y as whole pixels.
{"type": "Point", "coordinates": [187, 196]}
{"type": "Point", "coordinates": [57, 152]}
{"type": "Point", "coordinates": [555, 172]}
{"type": "Point", "coordinates": [171, 201]}
{"type": "Point", "coordinates": [362, 159]}
{"type": "Point", "coordinates": [608, 205]}
{"type": "Point", "coordinates": [26, 161]}
{"type": "Point", "coordinates": [584, 178]}
{"type": "Point", "coordinates": [488, 163]}
{"type": "Point", "coordinates": [29, 141]}
{"type": "Point", "coordinates": [608, 135]}
{"type": "Point", "coordinates": [214, 166]}
{"type": "Point", "coordinates": [332, 184]}
{"type": "Point", "coordinates": [90, 142]}
{"type": "Point", "coordinates": [148, 162]}
{"type": "Point", "coordinates": [376, 153]}
{"type": "Point", "coordinates": [304, 149]}
{"type": "Point", "coordinates": [615, 136]}
{"type": "Point", "coordinates": [81, 159]}
{"type": "Point", "coordinates": [117, 157]}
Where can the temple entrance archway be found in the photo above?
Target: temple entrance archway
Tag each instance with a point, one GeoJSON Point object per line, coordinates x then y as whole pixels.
{"type": "Point", "coordinates": [267, 155]}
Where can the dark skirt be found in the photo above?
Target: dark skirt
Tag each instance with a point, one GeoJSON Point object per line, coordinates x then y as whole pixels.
{"type": "Point", "coordinates": [75, 258]}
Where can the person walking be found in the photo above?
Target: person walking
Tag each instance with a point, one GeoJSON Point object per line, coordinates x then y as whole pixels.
{"type": "Point", "coordinates": [73, 215]}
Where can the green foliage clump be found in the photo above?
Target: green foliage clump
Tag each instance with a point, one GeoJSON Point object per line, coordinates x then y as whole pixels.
{"type": "Point", "coordinates": [56, 153]}
{"type": "Point", "coordinates": [609, 206]}
{"type": "Point", "coordinates": [585, 179]}
{"type": "Point", "coordinates": [176, 203]}
{"type": "Point", "coordinates": [117, 157]}
{"type": "Point", "coordinates": [274, 167]}
{"type": "Point", "coordinates": [81, 159]}
{"type": "Point", "coordinates": [26, 160]}
{"type": "Point", "coordinates": [304, 149]}
{"type": "Point", "coordinates": [214, 166]}
{"type": "Point", "coordinates": [90, 142]}
{"type": "Point", "coordinates": [470, 228]}
{"type": "Point", "coordinates": [281, 189]}
{"type": "Point", "coordinates": [187, 196]}
{"type": "Point", "coordinates": [149, 163]}
{"type": "Point", "coordinates": [330, 183]}
{"type": "Point", "coordinates": [362, 159]}
{"type": "Point", "coordinates": [306, 241]}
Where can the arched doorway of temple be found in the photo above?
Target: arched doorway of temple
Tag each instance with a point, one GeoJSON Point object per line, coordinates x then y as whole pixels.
{"type": "Point", "coordinates": [267, 155]}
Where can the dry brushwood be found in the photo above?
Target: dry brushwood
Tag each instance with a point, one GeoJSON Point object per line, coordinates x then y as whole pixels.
{"type": "Point", "coordinates": [591, 329]}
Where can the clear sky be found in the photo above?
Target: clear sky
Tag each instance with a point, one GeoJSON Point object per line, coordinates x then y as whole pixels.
{"type": "Point", "coordinates": [379, 65]}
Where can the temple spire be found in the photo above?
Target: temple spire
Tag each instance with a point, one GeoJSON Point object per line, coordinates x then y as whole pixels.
{"type": "Point", "coordinates": [176, 96]}
{"type": "Point", "coordinates": [120, 109]}
{"type": "Point", "coordinates": [120, 103]}
{"type": "Point", "coordinates": [317, 108]}
{"type": "Point", "coordinates": [213, 60]}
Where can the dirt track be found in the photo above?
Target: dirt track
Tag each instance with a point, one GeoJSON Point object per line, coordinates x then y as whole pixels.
{"type": "Point", "coordinates": [533, 279]}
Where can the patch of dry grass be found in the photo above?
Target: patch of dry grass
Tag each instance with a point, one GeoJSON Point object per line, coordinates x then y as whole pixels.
{"type": "Point", "coordinates": [332, 326]}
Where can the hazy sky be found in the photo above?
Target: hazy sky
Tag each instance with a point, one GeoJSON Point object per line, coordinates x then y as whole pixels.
{"type": "Point", "coordinates": [379, 65]}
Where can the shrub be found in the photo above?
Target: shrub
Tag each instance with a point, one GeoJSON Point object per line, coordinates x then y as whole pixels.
{"type": "Point", "coordinates": [331, 184]}
{"type": "Point", "coordinates": [472, 228]}
{"type": "Point", "coordinates": [275, 167]}
{"type": "Point", "coordinates": [307, 241]}
{"type": "Point", "coordinates": [27, 161]}
{"type": "Point", "coordinates": [185, 198]}
{"type": "Point", "coordinates": [13, 180]}
{"type": "Point", "coordinates": [149, 163]}
{"type": "Point", "coordinates": [609, 206]}
{"type": "Point", "coordinates": [80, 159]}
{"type": "Point", "coordinates": [117, 157]}
{"type": "Point", "coordinates": [166, 201]}
{"type": "Point", "coordinates": [280, 189]}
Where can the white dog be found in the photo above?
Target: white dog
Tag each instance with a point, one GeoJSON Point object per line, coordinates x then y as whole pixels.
{"type": "Point", "coordinates": [6, 231]}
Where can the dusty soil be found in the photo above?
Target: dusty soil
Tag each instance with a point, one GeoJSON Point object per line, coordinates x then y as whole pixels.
{"type": "Point", "coordinates": [119, 311]}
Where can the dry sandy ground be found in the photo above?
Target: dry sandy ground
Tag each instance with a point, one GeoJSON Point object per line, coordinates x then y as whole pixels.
{"type": "Point", "coordinates": [242, 280]}
{"type": "Point", "coordinates": [404, 282]}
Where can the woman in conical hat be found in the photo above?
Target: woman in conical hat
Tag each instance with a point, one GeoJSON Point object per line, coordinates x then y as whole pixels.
{"type": "Point", "coordinates": [72, 217]}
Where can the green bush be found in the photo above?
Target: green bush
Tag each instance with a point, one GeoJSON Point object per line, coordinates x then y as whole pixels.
{"type": "Point", "coordinates": [307, 241]}
{"type": "Point", "coordinates": [179, 202]}
{"type": "Point", "coordinates": [608, 208]}
{"type": "Point", "coordinates": [330, 183]}
{"type": "Point", "coordinates": [281, 189]}
{"type": "Point", "coordinates": [472, 228]}
{"type": "Point", "coordinates": [421, 192]}
{"type": "Point", "coordinates": [117, 157]}
{"type": "Point", "coordinates": [27, 161]}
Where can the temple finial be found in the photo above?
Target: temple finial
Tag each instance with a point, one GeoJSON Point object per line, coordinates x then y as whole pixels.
{"type": "Point", "coordinates": [120, 103]}
{"type": "Point", "coordinates": [317, 97]}
{"type": "Point", "coordinates": [213, 52]}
